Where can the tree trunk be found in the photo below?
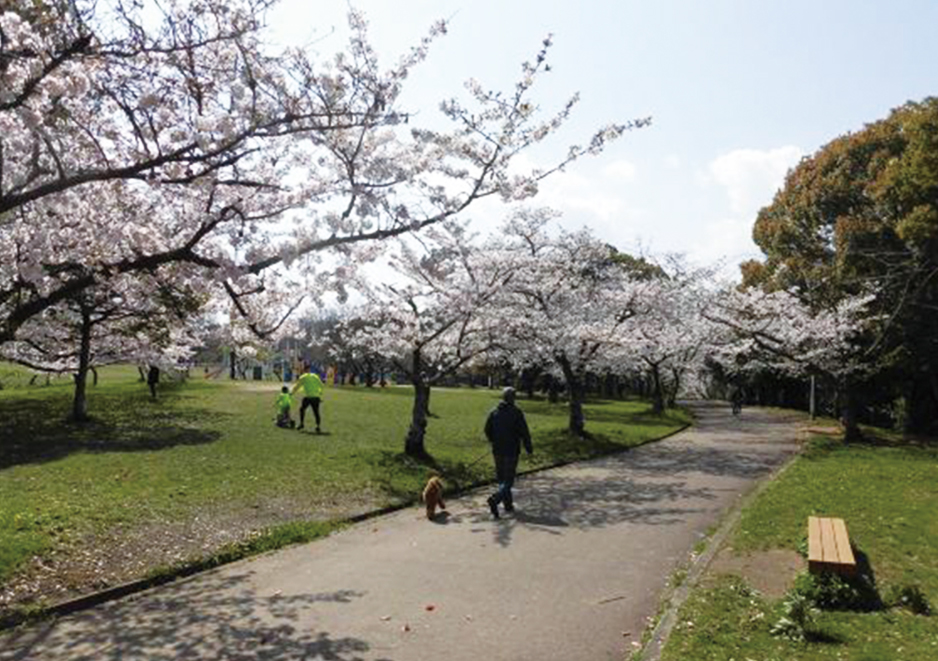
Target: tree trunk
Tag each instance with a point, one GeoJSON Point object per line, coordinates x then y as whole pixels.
{"type": "Point", "coordinates": [657, 391]}
{"type": "Point", "coordinates": [674, 389]}
{"type": "Point", "coordinates": [553, 391]}
{"type": "Point", "coordinates": [528, 379]}
{"type": "Point", "coordinates": [80, 402]}
{"type": "Point", "coordinates": [575, 386]}
{"type": "Point", "coordinates": [610, 383]}
{"type": "Point", "coordinates": [94, 375]}
{"type": "Point", "coordinates": [414, 444]}
{"type": "Point", "coordinates": [232, 370]}
{"type": "Point", "coordinates": [849, 419]}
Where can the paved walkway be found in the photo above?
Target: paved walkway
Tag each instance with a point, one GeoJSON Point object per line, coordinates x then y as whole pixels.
{"type": "Point", "coordinates": [572, 575]}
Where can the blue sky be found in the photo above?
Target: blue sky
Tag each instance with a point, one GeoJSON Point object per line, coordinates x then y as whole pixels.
{"type": "Point", "coordinates": [738, 92]}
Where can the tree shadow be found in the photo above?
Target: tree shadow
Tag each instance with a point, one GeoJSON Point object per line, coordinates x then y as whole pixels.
{"type": "Point", "coordinates": [871, 437]}
{"type": "Point", "coordinates": [671, 460]}
{"type": "Point", "coordinates": [823, 637]}
{"type": "Point", "coordinates": [609, 496]}
{"type": "Point", "coordinates": [34, 430]}
{"type": "Point", "coordinates": [213, 617]}
{"type": "Point", "coordinates": [656, 484]}
{"type": "Point", "coordinates": [397, 470]}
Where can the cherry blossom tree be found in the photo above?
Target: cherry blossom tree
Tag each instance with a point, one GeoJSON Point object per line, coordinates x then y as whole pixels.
{"type": "Point", "coordinates": [135, 136]}
{"type": "Point", "coordinates": [776, 330]}
{"type": "Point", "coordinates": [565, 303]}
{"type": "Point", "coordinates": [142, 321]}
{"type": "Point", "coordinates": [430, 322]}
{"type": "Point", "coordinates": [668, 335]}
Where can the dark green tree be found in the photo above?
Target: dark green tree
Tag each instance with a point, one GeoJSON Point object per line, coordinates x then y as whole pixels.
{"type": "Point", "coordinates": [863, 212]}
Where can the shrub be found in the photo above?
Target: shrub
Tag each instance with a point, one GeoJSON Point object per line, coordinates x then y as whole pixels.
{"type": "Point", "coordinates": [798, 621]}
{"type": "Point", "coordinates": [830, 591]}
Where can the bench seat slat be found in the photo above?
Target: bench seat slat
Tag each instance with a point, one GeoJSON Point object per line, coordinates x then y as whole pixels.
{"type": "Point", "coordinates": [844, 552]}
{"type": "Point", "coordinates": [815, 553]}
{"type": "Point", "coordinates": [828, 545]}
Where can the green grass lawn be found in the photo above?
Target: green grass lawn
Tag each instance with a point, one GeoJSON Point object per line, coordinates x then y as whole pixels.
{"type": "Point", "coordinates": [888, 495]}
{"type": "Point", "coordinates": [209, 446]}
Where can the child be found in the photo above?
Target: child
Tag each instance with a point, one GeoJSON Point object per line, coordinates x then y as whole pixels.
{"type": "Point", "coordinates": [283, 403]}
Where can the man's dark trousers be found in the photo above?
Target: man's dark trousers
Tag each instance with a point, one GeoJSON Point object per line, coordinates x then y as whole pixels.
{"type": "Point", "coordinates": [506, 467]}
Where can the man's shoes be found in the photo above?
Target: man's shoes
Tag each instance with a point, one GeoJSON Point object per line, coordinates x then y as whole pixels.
{"type": "Point", "coordinates": [509, 507]}
{"type": "Point", "coordinates": [317, 429]}
{"type": "Point", "coordinates": [299, 426]}
{"type": "Point", "coordinates": [493, 508]}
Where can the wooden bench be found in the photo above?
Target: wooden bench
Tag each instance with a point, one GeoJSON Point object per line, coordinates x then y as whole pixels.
{"type": "Point", "coordinates": [829, 546]}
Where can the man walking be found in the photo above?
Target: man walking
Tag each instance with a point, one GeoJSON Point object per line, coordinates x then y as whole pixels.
{"type": "Point", "coordinates": [311, 385]}
{"type": "Point", "coordinates": [506, 430]}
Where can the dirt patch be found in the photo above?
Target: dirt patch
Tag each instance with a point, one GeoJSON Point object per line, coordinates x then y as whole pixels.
{"type": "Point", "coordinates": [825, 431]}
{"type": "Point", "coordinates": [770, 572]}
{"type": "Point", "coordinates": [127, 554]}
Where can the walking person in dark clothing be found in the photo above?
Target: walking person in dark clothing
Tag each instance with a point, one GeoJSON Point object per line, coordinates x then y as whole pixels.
{"type": "Point", "coordinates": [736, 399]}
{"type": "Point", "coordinates": [506, 430]}
{"type": "Point", "coordinates": [153, 378]}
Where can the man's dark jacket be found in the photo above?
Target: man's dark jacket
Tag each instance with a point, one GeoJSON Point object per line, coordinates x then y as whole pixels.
{"type": "Point", "coordinates": [506, 429]}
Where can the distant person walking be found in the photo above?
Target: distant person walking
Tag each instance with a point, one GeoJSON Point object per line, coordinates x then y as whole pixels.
{"type": "Point", "coordinates": [311, 385]}
{"type": "Point", "coordinates": [506, 430]}
{"type": "Point", "coordinates": [153, 378]}
{"type": "Point", "coordinates": [736, 399]}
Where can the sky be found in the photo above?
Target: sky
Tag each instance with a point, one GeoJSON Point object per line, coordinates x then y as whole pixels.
{"type": "Point", "coordinates": [738, 91]}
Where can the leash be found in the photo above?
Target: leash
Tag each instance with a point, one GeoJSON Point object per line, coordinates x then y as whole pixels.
{"type": "Point", "coordinates": [467, 467]}
{"type": "Point", "coordinates": [479, 458]}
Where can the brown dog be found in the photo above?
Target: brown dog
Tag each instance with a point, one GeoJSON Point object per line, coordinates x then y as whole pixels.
{"type": "Point", "coordinates": [433, 496]}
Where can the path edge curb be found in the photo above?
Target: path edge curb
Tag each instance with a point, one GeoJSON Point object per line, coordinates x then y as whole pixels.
{"type": "Point", "coordinates": [651, 651]}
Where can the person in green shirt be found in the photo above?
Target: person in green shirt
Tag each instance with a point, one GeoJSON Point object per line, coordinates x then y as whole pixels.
{"type": "Point", "coordinates": [311, 385]}
{"type": "Point", "coordinates": [283, 404]}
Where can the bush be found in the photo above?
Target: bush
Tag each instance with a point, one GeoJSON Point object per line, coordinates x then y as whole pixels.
{"type": "Point", "coordinates": [830, 591]}
{"type": "Point", "coordinates": [798, 621]}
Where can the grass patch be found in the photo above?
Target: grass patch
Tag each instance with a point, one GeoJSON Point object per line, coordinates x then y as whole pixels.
{"type": "Point", "coordinates": [211, 445]}
{"type": "Point", "coordinates": [885, 491]}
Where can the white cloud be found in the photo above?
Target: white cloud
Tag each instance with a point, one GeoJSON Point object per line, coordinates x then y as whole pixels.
{"type": "Point", "coordinates": [621, 170]}
{"type": "Point", "coordinates": [751, 176]}
{"type": "Point", "coordinates": [726, 239]}
{"type": "Point", "coordinates": [574, 192]}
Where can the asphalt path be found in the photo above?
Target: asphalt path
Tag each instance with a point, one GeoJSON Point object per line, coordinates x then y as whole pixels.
{"type": "Point", "coordinates": [574, 574]}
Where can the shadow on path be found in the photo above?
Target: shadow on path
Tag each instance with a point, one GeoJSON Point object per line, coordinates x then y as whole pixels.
{"type": "Point", "coordinates": [652, 484]}
{"type": "Point", "coordinates": [212, 617]}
